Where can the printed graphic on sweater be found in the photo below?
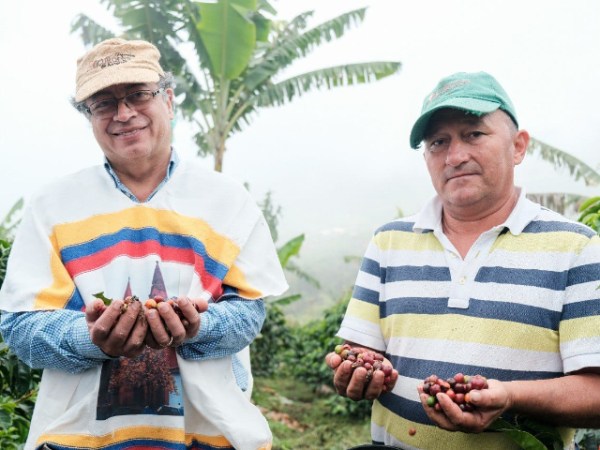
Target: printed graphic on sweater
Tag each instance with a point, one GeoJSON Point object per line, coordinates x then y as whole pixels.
{"type": "Point", "coordinates": [148, 384]}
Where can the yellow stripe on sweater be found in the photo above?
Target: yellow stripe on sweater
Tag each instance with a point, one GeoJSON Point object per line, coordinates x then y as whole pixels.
{"type": "Point", "coordinates": [168, 435]}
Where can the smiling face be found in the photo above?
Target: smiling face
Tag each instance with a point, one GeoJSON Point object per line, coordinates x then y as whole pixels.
{"type": "Point", "coordinates": [471, 159]}
{"type": "Point", "coordinates": [134, 136]}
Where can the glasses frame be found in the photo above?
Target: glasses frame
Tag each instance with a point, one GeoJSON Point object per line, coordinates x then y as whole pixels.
{"type": "Point", "coordinates": [117, 100]}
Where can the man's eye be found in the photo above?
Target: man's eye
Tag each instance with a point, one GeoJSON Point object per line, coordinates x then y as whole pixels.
{"type": "Point", "coordinates": [138, 96]}
{"type": "Point", "coordinates": [435, 145]}
{"type": "Point", "coordinates": [102, 104]}
{"type": "Point", "coordinates": [475, 134]}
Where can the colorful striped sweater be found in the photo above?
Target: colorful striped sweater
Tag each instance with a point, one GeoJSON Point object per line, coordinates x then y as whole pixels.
{"type": "Point", "coordinates": [522, 305]}
{"type": "Point", "coordinates": [201, 235]}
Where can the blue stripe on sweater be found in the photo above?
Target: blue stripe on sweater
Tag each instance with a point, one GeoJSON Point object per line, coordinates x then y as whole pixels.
{"type": "Point", "coordinates": [213, 266]}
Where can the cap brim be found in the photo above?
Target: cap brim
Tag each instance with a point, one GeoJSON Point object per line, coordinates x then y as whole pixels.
{"type": "Point", "coordinates": [471, 105]}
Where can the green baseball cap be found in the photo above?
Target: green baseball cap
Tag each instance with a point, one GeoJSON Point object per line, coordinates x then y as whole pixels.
{"type": "Point", "coordinates": [476, 93]}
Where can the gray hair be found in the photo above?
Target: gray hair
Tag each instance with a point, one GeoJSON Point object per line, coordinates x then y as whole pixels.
{"type": "Point", "coordinates": [166, 81]}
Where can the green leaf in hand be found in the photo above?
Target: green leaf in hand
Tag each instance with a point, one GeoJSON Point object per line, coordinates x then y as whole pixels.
{"type": "Point", "coordinates": [107, 301]}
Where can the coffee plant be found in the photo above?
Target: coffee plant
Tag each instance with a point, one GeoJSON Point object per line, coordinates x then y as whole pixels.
{"type": "Point", "coordinates": [305, 360]}
{"type": "Point", "coordinates": [18, 385]}
{"type": "Point", "coordinates": [267, 350]}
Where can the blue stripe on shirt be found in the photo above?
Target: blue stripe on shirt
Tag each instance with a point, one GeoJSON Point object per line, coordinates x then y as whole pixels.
{"type": "Point", "coordinates": [484, 309]}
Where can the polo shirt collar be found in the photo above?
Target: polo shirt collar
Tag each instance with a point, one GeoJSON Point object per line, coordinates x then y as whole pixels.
{"type": "Point", "coordinates": [430, 217]}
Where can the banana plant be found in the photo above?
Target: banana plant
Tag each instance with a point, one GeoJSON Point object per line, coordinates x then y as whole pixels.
{"type": "Point", "coordinates": [561, 160]}
{"type": "Point", "coordinates": [562, 202]}
{"type": "Point", "coordinates": [237, 53]}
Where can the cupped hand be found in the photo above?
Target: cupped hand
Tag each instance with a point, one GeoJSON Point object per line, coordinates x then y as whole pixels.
{"type": "Point", "coordinates": [353, 382]}
{"type": "Point", "coordinates": [168, 328]}
{"type": "Point", "coordinates": [488, 405]}
{"type": "Point", "coordinates": [117, 332]}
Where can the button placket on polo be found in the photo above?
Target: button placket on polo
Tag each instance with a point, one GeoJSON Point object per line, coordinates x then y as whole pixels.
{"type": "Point", "coordinates": [463, 272]}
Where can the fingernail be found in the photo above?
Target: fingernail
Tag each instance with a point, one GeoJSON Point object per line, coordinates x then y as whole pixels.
{"type": "Point", "coordinates": [151, 313]}
{"type": "Point", "coordinates": [475, 396]}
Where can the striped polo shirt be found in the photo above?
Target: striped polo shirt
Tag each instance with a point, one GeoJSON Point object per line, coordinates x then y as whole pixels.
{"type": "Point", "coordinates": [522, 305]}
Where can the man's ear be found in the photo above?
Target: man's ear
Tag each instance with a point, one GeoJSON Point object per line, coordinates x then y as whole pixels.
{"type": "Point", "coordinates": [521, 142]}
{"type": "Point", "coordinates": [170, 100]}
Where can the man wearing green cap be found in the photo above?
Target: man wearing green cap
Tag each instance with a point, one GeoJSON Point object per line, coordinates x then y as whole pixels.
{"type": "Point", "coordinates": [481, 281]}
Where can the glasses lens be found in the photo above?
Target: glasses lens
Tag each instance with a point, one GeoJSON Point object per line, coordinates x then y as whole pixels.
{"type": "Point", "coordinates": [104, 108]}
{"type": "Point", "coordinates": [107, 107]}
{"type": "Point", "coordinates": [138, 97]}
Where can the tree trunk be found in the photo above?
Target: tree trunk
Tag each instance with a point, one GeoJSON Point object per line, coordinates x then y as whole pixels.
{"type": "Point", "coordinates": [219, 153]}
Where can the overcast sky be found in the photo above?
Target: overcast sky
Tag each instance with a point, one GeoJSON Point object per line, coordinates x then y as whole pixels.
{"type": "Point", "coordinates": [336, 161]}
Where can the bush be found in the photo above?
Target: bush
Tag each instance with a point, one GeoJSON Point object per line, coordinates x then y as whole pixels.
{"type": "Point", "coordinates": [18, 385]}
{"type": "Point", "coordinates": [4, 251]}
{"type": "Point", "coordinates": [305, 360]}
{"type": "Point", "coordinates": [18, 391]}
{"type": "Point", "coordinates": [267, 350]}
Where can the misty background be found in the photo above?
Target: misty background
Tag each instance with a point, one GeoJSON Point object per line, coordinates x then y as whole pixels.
{"type": "Point", "coordinates": [337, 162]}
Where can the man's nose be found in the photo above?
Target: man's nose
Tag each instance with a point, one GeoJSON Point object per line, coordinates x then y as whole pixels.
{"type": "Point", "coordinates": [124, 111]}
{"type": "Point", "coordinates": [457, 153]}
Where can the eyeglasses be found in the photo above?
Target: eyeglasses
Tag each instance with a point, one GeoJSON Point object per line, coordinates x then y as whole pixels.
{"type": "Point", "coordinates": [108, 107]}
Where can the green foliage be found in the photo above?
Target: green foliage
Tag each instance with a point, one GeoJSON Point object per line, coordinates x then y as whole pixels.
{"type": "Point", "coordinates": [267, 350]}
{"type": "Point", "coordinates": [306, 359]}
{"type": "Point", "coordinates": [298, 353]}
{"type": "Point", "coordinates": [590, 213]}
{"type": "Point", "coordinates": [4, 252]}
{"type": "Point", "coordinates": [312, 342]}
{"type": "Point", "coordinates": [530, 434]}
{"type": "Point", "coordinates": [18, 385]}
{"type": "Point", "coordinates": [289, 249]}
{"type": "Point", "coordinates": [18, 391]}
{"type": "Point", "coordinates": [9, 224]}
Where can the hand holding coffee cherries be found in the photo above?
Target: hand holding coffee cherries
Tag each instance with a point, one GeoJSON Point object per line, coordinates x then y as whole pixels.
{"type": "Point", "coordinates": [457, 388]}
{"type": "Point", "coordinates": [463, 402]}
{"type": "Point", "coordinates": [360, 373]}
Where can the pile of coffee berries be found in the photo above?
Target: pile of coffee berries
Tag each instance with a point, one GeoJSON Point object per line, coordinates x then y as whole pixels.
{"type": "Point", "coordinates": [153, 303]}
{"type": "Point", "coordinates": [372, 361]}
{"type": "Point", "coordinates": [457, 388]}
{"type": "Point", "coordinates": [126, 301]}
